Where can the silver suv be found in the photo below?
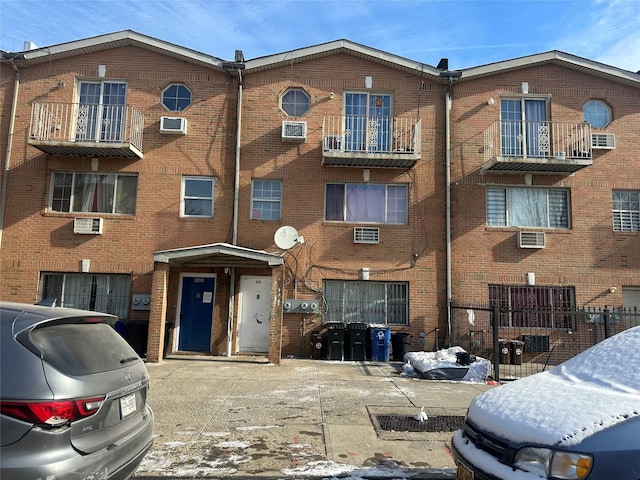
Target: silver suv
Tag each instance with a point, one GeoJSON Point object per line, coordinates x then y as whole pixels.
{"type": "Point", "coordinates": [73, 396]}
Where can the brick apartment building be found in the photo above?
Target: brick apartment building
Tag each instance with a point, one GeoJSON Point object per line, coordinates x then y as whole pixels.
{"type": "Point", "coordinates": [248, 203]}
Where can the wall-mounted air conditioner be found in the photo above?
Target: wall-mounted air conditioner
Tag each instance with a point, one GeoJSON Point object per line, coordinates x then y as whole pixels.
{"type": "Point", "coordinates": [87, 226]}
{"type": "Point", "coordinates": [366, 235]}
{"type": "Point", "coordinates": [294, 131]}
{"type": "Point", "coordinates": [605, 141]}
{"type": "Point", "coordinates": [173, 125]}
{"type": "Point", "coordinates": [332, 142]}
{"type": "Point", "coordinates": [531, 240]}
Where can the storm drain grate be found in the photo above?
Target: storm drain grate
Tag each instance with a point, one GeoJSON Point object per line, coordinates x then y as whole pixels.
{"type": "Point", "coordinates": [408, 423]}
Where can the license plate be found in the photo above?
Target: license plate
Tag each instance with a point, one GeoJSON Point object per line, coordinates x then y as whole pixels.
{"type": "Point", "coordinates": [464, 473]}
{"type": "Point", "coordinates": [127, 405]}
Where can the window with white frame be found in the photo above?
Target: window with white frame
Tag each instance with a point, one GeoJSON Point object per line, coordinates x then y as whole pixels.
{"type": "Point", "coordinates": [197, 197]}
{"type": "Point", "coordinates": [176, 97]}
{"type": "Point", "coordinates": [101, 111]}
{"type": "Point", "coordinates": [626, 211]}
{"type": "Point", "coordinates": [295, 102]}
{"type": "Point", "coordinates": [93, 192]}
{"type": "Point", "coordinates": [528, 207]}
{"type": "Point", "coordinates": [107, 293]}
{"type": "Point", "coordinates": [266, 197]}
{"type": "Point", "coordinates": [366, 203]}
{"type": "Point", "coordinates": [366, 302]}
{"type": "Point", "coordinates": [597, 113]}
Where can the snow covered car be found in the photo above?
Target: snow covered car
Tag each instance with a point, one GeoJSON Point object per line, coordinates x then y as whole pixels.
{"type": "Point", "coordinates": [579, 420]}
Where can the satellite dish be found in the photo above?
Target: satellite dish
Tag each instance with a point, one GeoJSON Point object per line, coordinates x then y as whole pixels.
{"type": "Point", "coordinates": [286, 237]}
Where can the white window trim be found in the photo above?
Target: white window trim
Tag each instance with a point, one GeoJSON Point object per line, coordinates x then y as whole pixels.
{"type": "Point", "coordinates": [180, 85]}
{"type": "Point", "coordinates": [266, 200]}
{"type": "Point", "coordinates": [182, 196]}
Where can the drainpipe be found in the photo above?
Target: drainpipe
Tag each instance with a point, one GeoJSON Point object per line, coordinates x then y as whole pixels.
{"type": "Point", "coordinates": [7, 161]}
{"type": "Point", "coordinates": [235, 69]}
{"type": "Point", "coordinates": [450, 77]}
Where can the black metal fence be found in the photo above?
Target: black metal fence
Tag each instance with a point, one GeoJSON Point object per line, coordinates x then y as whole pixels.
{"type": "Point", "coordinates": [529, 341]}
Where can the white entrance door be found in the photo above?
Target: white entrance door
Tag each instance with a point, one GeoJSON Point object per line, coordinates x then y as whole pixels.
{"type": "Point", "coordinates": [253, 324]}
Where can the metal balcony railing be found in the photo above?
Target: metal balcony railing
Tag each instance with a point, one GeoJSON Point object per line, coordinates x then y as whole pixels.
{"type": "Point", "coordinates": [381, 140]}
{"type": "Point", "coordinates": [544, 146]}
{"type": "Point", "coordinates": [74, 128]}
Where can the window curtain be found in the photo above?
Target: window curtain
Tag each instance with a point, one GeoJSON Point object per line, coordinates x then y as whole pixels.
{"type": "Point", "coordinates": [77, 291]}
{"type": "Point", "coordinates": [94, 193]}
{"type": "Point", "coordinates": [527, 207]}
{"type": "Point", "coordinates": [537, 128]}
{"type": "Point", "coordinates": [365, 203]}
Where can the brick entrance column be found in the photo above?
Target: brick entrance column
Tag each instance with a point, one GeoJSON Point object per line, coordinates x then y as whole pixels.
{"type": "Point", "coordinates": [158, 313]}
{"type": "Point", "coordinates": [275, 323]}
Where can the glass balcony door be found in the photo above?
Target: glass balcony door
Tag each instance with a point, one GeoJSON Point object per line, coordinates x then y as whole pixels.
{"type": "Point", "coordinates": [101, 112]}
{"type": "Point", "coordinates": [524, 128]}
{"type": "Point", "coordinates": [367, 122]}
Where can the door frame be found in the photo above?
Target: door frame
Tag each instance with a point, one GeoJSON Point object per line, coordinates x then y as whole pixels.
{"type": "Point", "coordinates": [183, 275]}
{"type": "Point", "coordinates": [241, 294]}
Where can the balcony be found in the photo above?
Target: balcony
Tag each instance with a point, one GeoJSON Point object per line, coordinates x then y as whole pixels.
{"type": "Point", "coordinates": [516, 147]}
{"type": "Point", "coordinates": [87, 130]}
{"type": "Point", "coordinates": [370, 141]}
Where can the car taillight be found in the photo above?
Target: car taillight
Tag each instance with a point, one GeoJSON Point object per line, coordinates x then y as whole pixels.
{"type": "Point", "coordinates": [52, 413]}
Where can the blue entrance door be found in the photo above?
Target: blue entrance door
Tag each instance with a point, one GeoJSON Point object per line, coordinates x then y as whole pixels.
{"type": "Point", "coordinates": [196, 314]}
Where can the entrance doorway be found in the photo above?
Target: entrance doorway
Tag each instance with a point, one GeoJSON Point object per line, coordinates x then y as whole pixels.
{"type": "Point", "coordinates": [253, 324]}
{"type": "Point", "coordinates": [195, 313]}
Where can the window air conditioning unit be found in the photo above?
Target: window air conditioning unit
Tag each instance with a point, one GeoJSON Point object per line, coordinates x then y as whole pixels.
{"type": "Point", "coordinates": [173, 125]}
{"type": "Point", "coordinates": [531, 240]}
{"type": "Point", "coordinates": [603, 140]}
{"type": "Point", "coordinates": [294, 131]}
{"type": "Point", "coordinates": [332, 142]}
{"type": "Point", "coordinates": [87, 226]}
{"type": "Point", "coordinates": [366, 235]}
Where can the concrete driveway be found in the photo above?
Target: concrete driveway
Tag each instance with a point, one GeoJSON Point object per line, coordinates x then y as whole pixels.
{"type": "Point", "coordinates": [241, 417]}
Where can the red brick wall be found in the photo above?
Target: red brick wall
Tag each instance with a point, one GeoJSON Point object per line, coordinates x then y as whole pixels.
{"type": "Point", "coordinates": [128, 242]}
{"type": "Point", "coordinates": [590, 255]}
{"type": "Point", "coordinates": [329, 251]}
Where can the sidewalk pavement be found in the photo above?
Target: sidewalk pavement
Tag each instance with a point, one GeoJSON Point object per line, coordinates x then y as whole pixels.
{"type": "Point", "coordinates": [241, 417]}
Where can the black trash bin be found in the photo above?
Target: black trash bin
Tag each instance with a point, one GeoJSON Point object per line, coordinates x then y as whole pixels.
{"type": "Point", "coordinates": [517, 349]}
{"type": "Point", "coordinates": [137, 336]}
{"type": "Point", "coordinates": [400, 345]}
{"type": "Point", "coordinates": [357, 341]}
{"type": "Point", "coordinates": [503, 351]}
{"type": "Point", "coordinates": [317, 344]}
{"type": "Point", "coordinates": [335, 340]}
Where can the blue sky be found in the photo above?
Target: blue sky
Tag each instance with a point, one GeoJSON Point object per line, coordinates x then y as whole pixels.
{"type": "Point", "coordinates": [468, 32]}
